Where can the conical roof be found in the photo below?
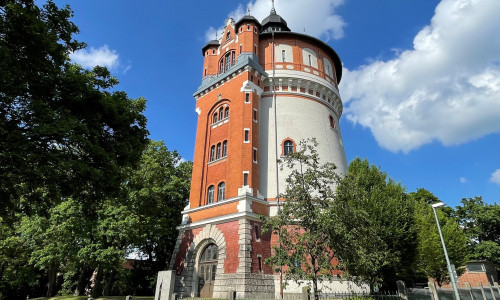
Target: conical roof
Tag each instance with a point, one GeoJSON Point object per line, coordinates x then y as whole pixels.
{"type": "Point", "coordinates": [245, 19]}
{"type": "Point", "coordinates": [208, 45]}
{"type": "Point", "coordinates": [274, 22]}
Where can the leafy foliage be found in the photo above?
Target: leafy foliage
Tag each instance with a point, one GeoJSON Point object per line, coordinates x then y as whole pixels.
{"type": "Point", "coordinates": [304, 246]}
{"type": "Point", "coordinates": [481, 223]}
{"type": "Point", "coordinates": [430, 259]}
{"type": "Point", "coordinates": [63, 133]}
{"type": "Point", "coordinates": [373, 225]}
{"type": "Point", "coordinates": [157, 193]}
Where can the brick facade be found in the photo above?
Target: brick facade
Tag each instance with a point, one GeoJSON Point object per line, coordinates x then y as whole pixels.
{"type": "Point", "coordinates": [241, 118]}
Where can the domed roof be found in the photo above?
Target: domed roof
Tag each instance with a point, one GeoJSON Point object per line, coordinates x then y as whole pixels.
{"type": "Point", "coordinates": [247, 18]}
{"type": "Point", "coordinates": [208, 45]}
{"type": "Point", "coordinates": [273, 22]}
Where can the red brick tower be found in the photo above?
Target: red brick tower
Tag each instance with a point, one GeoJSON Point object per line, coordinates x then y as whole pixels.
{"type": "Point", "coordinates": [263, 89]}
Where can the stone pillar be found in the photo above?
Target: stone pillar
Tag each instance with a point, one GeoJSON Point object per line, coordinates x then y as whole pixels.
{"type": "Point", "coordinates": [245, 243]}
{"type": "Point", "coordinates": [164, 285]}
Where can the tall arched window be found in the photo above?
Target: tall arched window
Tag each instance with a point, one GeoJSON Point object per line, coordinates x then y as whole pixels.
{"type": "Point", "coordinates": [332, 122]}
{"type": "Point", "coordinates": [218, 150]}
{"type": "Point", "coordinates": [214, 120]}
{"type": "Point", "coordinates": [221, 112]}
{"type": "Point", "coordinates": [288, 147]}
{"type": "Point", "coordinates": [212, 153]}
{"type": "Point", "coordinates": [227, 112]}
{"type": "Point", "coordinates": [221, 193]}
{"type": "Point", "coordinates": [210, 195]}
{"type": "Point", "coordinates": [224, 149]}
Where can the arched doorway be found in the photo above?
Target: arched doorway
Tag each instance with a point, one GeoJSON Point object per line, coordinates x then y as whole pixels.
{"type": "Point", "coordinates": [207, 268]}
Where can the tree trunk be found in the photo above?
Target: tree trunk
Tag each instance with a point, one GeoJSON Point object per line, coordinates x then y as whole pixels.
{"type": "Point", "coordinates": [97, 289]}
{"type": "Point", "coordinates": [83, 280]}
{"type": "Point", "coordinates": [52, 274]}
{"type": "Point", "coordinates": [315, 288]}
{"type": "Point", "coordinates": [2, 269]}
{"type": "Point", "coordinates": [109, 283]}
{"type": "Point", "coordinates": [315, 279]}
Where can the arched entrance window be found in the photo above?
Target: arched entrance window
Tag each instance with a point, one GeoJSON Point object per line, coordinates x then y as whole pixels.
{"type": "Point", "coordinates": [207, 268]}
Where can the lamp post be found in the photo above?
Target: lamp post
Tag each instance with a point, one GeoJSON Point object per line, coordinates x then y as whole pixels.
{"type": "Point", "coordinates": [452, 277]}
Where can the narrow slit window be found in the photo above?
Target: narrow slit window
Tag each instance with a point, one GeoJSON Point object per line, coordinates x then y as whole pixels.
{"type": "Point", "coordinates": [247, 135]}
{"type": "Point", "coordinates": [218, 150]}
{"type": "Point", "coordinates": [247, 98]}
{"type": "Point", "coordinates": [310, 60]}
{"type": "Point", "coordinates": [255, 155]}
{"type": "Point", "coordinates": [226, 114]}
{"type": "Point", "coordinates": [283, 55]}
{"type": "Point", "coordinates": [210, 196]}
{"type": "Point", "coordinates": [259, 261]}
{"type": "Point", "coordinates": [257, 232]}
{"type": "Point", "coordinates": [245, 179]}
{"type": "Point", "coordinates": [221, 192]}
{"type": "Point", "coordinates": [255, 115]}
{"type": "Point", "coordinates": [224, 149]}
{"type": "Point", "coordinates": [212, 153]}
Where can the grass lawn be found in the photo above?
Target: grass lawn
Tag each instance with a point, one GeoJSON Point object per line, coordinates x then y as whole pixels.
{"type": "Point", "coordinates": [86, 297]}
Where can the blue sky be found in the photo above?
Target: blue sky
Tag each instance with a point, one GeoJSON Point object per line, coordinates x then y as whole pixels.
{"type": "Point", "coordinates": [421, 83]}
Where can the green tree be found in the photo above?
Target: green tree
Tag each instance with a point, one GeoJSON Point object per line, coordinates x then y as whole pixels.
{"type": "Point", "coordinates": [158, 191]}
{"type": "Point", "coordinates": [481, 224]}
{"type": "Point", "coordinates": [372, 222]}
{"type": "Point", "coordinates": [63, 132]}
{"type": "Point", "coordinates": [304, 247]}
{"type": "Point", "coordinates": [430, 259]}
{"type": "Point", "coordinates": [18, 277]}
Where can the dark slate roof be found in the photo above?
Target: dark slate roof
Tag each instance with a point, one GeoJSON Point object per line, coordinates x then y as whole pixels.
{"type": "Point", "coordinates": [274, 20]}
{"type": "Point", "coordinates": [245, 19]}
{"type": "Point", "coordinates": [208, 45]}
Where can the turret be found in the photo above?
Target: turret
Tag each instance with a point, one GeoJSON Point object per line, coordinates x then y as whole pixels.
{"type": "Point", "coordinates": [210, 53]}
{"type": "Point", "coordinates": [248, 29]}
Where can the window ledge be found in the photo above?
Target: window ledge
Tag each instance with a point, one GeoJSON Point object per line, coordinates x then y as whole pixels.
{"type": "Point", "coordinates": [217, 160]}
{"type": "Point", "coordinates": [220, 122]}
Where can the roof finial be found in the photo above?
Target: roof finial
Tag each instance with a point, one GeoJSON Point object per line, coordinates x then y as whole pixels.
{"type": "Point", "coordinates": [273, 11]}
{"type": "Point", "coordinates": [248, 11]}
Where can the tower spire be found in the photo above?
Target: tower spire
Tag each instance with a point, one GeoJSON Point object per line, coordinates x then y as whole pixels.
{"type": "Point", "coordinates": [273, 11]}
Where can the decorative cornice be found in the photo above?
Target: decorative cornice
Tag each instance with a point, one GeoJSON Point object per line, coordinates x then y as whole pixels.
{"type": "Point", "coordinates": [330, 95]}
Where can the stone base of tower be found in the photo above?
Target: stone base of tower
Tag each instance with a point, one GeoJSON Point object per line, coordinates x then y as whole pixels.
{"type": "Point", "coordinates": [239, 263]}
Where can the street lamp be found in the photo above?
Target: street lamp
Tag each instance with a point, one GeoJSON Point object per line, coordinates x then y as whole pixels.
{"type": "Point", "coordinates": [452, 277]}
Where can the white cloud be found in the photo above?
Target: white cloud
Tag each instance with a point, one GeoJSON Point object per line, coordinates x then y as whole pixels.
{"type": "Point", "coordinates": [446, 89]}
{"type": "Point", "coordinates": [316, 17]}
{"type": "Point", "coordinates": [495, 177]}
{"type": "Point", "coordinates": [103, 56]}
{"type": "Point", "coordinates": [463, 180]}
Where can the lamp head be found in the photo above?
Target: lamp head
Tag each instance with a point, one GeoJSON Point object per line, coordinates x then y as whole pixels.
{"type": "Point", "coordinates": [439, 204]}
